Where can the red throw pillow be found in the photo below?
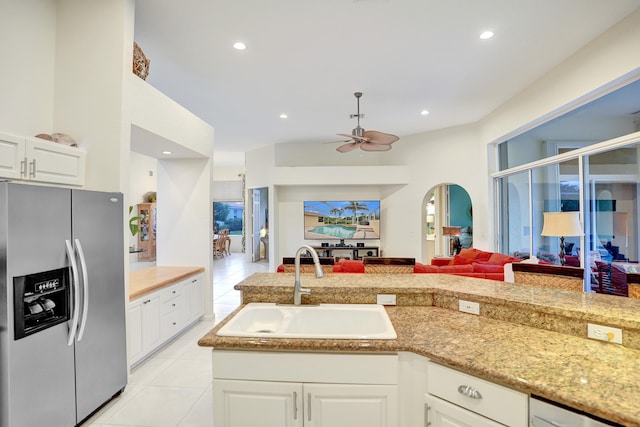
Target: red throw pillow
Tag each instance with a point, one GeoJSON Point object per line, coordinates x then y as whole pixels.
{"type": "Point", "coordinates": [352, 266]}
{"type": "Point", "coordinates": [337, 268]}
{"type": "Point", "coordinates": [469, 253]}
{"type": "Point", "coordinates": [481, 267]}
{"type": "Point", "coordinates": [501, 258]}
{"type": "Point", "coordinates": [483, 256]}
{"type": "Point", "coordinates": [280, 268]}
{"type": "Point", "coordinates": [465, 268]}
{"type": "Point", "coordinates": [460, 260]}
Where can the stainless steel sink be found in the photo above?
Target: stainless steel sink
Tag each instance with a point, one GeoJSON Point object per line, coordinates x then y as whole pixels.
{"type": "Point", "coordinates": [328, 321]}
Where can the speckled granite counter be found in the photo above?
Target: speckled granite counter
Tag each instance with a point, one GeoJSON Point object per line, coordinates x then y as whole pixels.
{"type": "Point", "coordinates": [512, 342]}
{"type": "Point", "coordinates": [152, 278]}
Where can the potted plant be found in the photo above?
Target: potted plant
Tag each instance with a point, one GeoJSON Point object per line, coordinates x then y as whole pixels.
{"type": "Point", "coordinates": [133, 223]}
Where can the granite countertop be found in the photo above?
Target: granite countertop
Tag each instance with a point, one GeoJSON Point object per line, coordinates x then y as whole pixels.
{"type": "Point", "coordinates": [526, 354]}
{"type": "Point", "coordinates": [150, 279]}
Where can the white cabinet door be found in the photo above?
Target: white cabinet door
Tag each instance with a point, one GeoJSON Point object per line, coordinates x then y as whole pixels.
{"type": "Point", "coordinates": [150, 322]}
{"type": "Point", "coordinates": [12, 161]}
{"type": "Point", "coordinates": [197, 302]}
{"type": "Point", "coordinates": [347, 405]}
{"type": "Point", "coordinates": [143, 327]}
{"type": "Point", "coordinates": [257, 403]}
{"type": "Point", "coordinates": [135, 348]}
{"type": "Point", "coordinates": [56, 163]}
{"type": "Point", "coordinates": [441, 413]}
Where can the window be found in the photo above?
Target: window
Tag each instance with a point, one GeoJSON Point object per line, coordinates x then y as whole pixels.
{"type": "Point", "coordinates": [228, 215]}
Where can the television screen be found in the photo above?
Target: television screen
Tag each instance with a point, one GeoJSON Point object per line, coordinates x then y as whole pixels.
{"type": "Point", "coordinates": [359, 219]}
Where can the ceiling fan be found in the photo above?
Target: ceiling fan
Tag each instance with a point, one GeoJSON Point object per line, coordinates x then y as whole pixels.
{"type": "Point", "coordinates": [367, 140]}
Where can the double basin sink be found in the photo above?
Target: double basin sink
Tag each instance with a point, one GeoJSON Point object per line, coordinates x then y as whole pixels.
{"type": "Point", "coordinates": [324, 321]}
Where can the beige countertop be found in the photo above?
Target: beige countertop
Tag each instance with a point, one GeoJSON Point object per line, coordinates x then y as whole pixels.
{"type": "Point", "coordinates": [150, 279]}
{"type": "Point", "coordinates": [520, 339]}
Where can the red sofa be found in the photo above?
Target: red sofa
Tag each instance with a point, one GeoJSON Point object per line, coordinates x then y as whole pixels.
{"type": "Point", "coordinates": [472, 263]}
{"type": "Point", "coordinates": [469, 263]}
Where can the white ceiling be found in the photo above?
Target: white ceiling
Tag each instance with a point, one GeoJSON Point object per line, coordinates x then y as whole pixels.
{"type": "Point", "coordinates": [306, 58]}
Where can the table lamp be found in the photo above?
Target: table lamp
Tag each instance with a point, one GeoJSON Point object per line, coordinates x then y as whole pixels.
{"type": "Point", "coordinates": [452, 232]}
{"type": "Point", "coordinates": [561, 224]}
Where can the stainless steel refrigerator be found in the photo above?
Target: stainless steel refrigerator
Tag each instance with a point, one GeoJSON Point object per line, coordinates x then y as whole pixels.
{"type": "Point", "coordinates": [62, 304]}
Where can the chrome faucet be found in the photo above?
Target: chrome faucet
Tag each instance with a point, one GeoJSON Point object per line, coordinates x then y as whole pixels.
{"type": "Point", "coordinates": [298, 290]}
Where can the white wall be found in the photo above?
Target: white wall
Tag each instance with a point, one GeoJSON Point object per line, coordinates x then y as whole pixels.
{"type": "Point", "coordinates": [92, 59]}
{"type": "Point", "coordinates": [606, 63]}
{"type": "Point", "coordinates": [27, 48]}
{"type": "Point", "coordinates": [185, 210]}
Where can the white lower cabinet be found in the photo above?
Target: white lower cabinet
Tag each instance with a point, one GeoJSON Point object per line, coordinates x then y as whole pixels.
{"type": "Point", "coordinates": [316, 390]}
{"type": "Point", "coordinates": [143, 326]}
{"type": "Point", "coordinates": [253, 403]}
{"type": "Point", "coordinates": [157, 317]}
{"type": "Point", "coordinates": [456, 399]}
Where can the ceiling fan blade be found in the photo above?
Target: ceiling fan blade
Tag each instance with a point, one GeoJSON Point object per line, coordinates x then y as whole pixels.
{"type": "Point", "coordinates": [354, 137]}
{"type": "Point", "coordinates": [371, 146]}
{"type": "Point", "coordinates": [335, 142]}
{"type": "Point", "coordinates": [348, 147]}
{"type": "Point", "coordinates": [380, 138]}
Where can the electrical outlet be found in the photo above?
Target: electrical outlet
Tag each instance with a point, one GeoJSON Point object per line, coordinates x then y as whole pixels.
{"type": "Point", "coordinates": [469, 307]}
{"type": "Point", "coordinates": [604, 333]}
{"type": "Point", "coordinates": [383, 299]}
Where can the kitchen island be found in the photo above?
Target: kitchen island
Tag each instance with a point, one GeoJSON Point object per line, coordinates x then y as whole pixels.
{"type": "Point", "coordinates": [530, 339]}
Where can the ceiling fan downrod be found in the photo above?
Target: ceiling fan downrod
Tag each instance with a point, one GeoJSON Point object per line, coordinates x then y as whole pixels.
{"type": "Point", "coordinates": [358, 131]}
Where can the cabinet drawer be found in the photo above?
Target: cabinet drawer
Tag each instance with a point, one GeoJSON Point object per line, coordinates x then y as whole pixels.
{"type": "Point", "coordinates": [171, 304]}
{"type": "Point", "coordinates": [499, 403]}
{"type": "Point", "coordinates": [169, 293]}
{"type": "Point", "coordinates": [171, 324]}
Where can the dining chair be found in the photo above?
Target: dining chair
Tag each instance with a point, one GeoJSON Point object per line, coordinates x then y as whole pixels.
{"type": "Point", "coordinates": [612, 279]}
{"type": "Point", "coordinates": [377, 265]}
{"type": "Point", "coordinates": [219, 247]}
{"type": "Point", "coordinates": [549, 276]}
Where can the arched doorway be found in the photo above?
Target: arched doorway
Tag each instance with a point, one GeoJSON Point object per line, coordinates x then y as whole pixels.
{"type": "Point", "coordinates": [447, 219]}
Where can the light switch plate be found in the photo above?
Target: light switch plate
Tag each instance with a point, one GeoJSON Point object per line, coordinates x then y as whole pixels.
{"type": "Point", "coordinates": [386, 299]}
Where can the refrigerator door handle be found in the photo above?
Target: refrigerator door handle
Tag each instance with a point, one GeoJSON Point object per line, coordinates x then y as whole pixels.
{"type": "Point", "coordinates": [85, 288]}
{"type": "Point", "coordinates": [75, 290]}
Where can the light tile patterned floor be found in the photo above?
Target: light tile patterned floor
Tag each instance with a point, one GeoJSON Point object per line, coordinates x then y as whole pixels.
{"type": "Point", "coordinates": [173, 387]}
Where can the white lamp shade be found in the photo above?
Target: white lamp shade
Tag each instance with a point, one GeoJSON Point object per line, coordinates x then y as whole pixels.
{"type": "Point", "coordinates": [562, 224]}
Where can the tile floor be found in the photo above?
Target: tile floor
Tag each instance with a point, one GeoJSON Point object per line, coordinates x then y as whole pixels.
{"type": "Point", "coordinates": [173, 387]}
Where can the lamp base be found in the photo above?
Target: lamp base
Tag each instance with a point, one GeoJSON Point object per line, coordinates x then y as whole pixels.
{"type": "Point", "coordinates": [563, 259]}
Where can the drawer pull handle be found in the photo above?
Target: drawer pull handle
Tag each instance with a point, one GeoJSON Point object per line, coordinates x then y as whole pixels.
{"type": "Point", "coordinates": [469, 391]}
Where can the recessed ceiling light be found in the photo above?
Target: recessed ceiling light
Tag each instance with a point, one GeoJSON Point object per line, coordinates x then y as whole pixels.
{"type": "Point", "coordinates": [283, 116]}
{"type": "Point", "coordinates": [424, 112]}
{"type": "Point", "coordinates": [239, 46]}
{"type": "Point", "coordinates": [486, 35]}
{"type": "Point", "coordinates": [167, 152]}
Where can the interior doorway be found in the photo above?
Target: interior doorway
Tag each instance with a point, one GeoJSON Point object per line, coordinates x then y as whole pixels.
{"type": "Point", "coordinates": [260, 225]}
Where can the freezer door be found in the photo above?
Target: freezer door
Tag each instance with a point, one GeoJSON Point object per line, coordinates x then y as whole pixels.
{"type": "Point", "coordinates": [101, 362]}
{"type": "Point", "coordinates": [36, 372]}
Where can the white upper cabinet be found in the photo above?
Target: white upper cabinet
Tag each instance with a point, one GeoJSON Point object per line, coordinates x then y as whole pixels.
{"type": "Point", "coordinates": [38, 160]}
